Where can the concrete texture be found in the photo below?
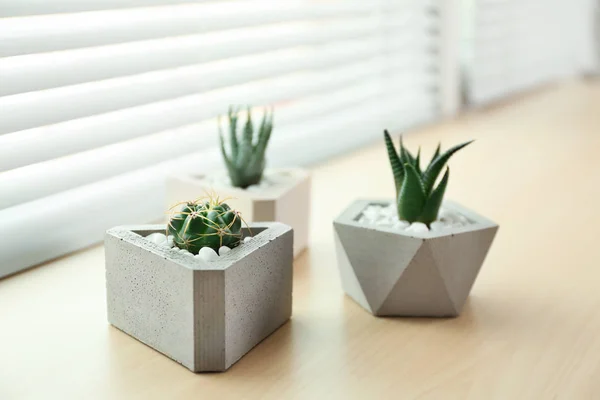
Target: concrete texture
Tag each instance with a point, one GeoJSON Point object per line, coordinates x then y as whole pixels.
{"type": "Point", "coordinates": [288, 202]}
{"type": "Point", "coordinates": [395, 273]}
{"type": "Point", "coordinates": [204, 315]}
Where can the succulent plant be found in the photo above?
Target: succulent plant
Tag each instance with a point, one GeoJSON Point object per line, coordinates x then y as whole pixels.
{"type": "Point", "coordinates": [416, 197]}
{"type": "Point", "coordinates": [246, 159]}
{"type": "Point", "coordinates": [205, 223]}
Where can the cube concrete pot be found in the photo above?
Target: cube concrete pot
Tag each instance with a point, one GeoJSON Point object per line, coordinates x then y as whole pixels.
{"type": "Point", "coordinates": [287, 202]}
{"type": "Point", "coordinates": [394, 273]}
{"type": "Point", "coordinates": [204, 315]}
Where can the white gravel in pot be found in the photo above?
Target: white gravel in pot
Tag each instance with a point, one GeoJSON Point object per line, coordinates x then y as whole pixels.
{"type": "Point", "coordinates": [387, 216]}
{"type": "Point", "coordinates": [205, 253]}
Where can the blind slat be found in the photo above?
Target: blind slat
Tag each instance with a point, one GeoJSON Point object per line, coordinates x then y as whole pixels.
{"type": "Point", "coordinates": [40, 34]}
{"type": "Point", "coordinates": [36, 7]}
{"type": "Point", "coordinates": [28, 110]}
{"type": "Point", "coordinates": [49, 70]}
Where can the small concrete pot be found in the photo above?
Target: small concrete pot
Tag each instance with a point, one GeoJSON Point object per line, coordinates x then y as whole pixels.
{"type": "Point", "coordinates": [204, 315]}
{"type": "Point", "coordinates": [287, 202]}
{"type": "Point", "coordinates": [395, 273]}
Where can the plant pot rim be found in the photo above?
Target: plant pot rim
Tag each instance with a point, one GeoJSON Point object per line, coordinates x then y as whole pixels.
{"type": "Point", "coordinates": [350, 217]}
{"type": "Point", "coordinates": [270, 193]}
{"type": "Point", "coordinates": [263, 233]}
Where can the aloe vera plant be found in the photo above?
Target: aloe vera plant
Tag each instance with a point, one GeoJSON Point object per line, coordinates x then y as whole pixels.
{"type": "Point", "coordinates": [416, 197]}
{"type": "Point", "coordinates": [245, 161]}
{"type": "Point", "coordinates": [205, 223]}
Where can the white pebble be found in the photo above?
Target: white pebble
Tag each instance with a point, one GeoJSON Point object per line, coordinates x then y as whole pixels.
{"type": "Point", "coordinates": [389, 211]}
{"type": "Point", "coordinates": [184, 251]}
{"type": "Point", "coordinates": [157, 237]}
{"type": "Point", "coordinates": [437, 226]}
{"type": "Point", "coordinates": [253, 188]}
{"type": "Point", "coordinates": [224, 250]}
{"type": "Point", "coordinates": [372, 212]}
{"type": "Point", "coordinates": [447, 215]}
{"type": "Point", "coordinates": [247, 239]}
{"type": "Point", "coordinates": [401, 224]}
{"type": "Point", "coordinates": [207, 254]}
{"type": "Point", "coordinates": [384, 222]}
{"type": "Point", "coordinates": [417, 227]}
{"type": "Point", "coordinates": [169, 242]}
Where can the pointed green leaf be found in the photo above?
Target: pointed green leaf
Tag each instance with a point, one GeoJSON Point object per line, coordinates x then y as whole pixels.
{"type": "Point", "coordinates": [433, 203]}
{"type": "Point", "coordinates": [221, 140]}
{"type": "Point", "coordinates": [411, 197]}
{"type": "Point", "coordinates": [397, 168]}
{"type": "Point", "coordinates": [231, 170]}
{"type": "Point", "coordinates": [418, 162]}
{"type": "Point", "coordinates": [434, 169]}
{"type": "Point", "coordinates": [405, 155]}
{"type": "Point", "coordinates": [265, 135]}
{"type": "Point", "coordinates": [258, 162]}
{"type": "Point", "coordinates": [437, 153]}
{"type": "Point", "coordinates": [261, 130]}
{"type": "Point", "coordinates": [246, 145]}
{"type": "Point", "coordinates": [233, 141]}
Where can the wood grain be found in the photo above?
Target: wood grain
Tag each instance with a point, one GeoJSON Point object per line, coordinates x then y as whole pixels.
{"type": "Point", "coordinates": [530, 329]}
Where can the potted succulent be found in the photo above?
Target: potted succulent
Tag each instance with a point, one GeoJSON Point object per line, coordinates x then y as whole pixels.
{"type": "Point", "coordinates": [418, 255]}
{"type": "Point", "coordinates": [261, 195]}
{"type": "Point", "coordinates": [203, 290]}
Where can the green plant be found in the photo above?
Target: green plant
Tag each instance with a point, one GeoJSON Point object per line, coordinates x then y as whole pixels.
{"type": "Point", "coordinates": [205, 223]}
{"type": "Point", "coordinates": [246, 159]}
{"type": "Point", "coordinates": [416, 197]}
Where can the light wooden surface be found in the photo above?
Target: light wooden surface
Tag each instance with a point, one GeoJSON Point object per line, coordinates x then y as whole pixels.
{"type": "Point", "coordinates": [530, 330]}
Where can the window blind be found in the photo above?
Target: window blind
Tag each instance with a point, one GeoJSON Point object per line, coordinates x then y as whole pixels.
{"type": "Point", "coordinates": [101, 99]}
{"type": "Point", "coordinates": [515, 45]}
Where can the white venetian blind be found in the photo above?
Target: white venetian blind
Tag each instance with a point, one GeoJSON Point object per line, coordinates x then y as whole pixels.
{"type": "Point", "coordinates": [101, 99]}
{"type": "Point", "coordinates": [515, 45]}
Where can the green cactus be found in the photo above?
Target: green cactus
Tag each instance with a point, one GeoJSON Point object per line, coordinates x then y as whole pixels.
{"type": "Point", "coordinates": [416, 197]}
{"type": "Point", "coordinates": [246, 159]}
{"type": "Point", "coordinates": [205, 223]}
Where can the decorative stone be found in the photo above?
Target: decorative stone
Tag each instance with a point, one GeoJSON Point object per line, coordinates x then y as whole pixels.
{"type": "Point", "coordinates": [400, 273]}
{"type": "Point", "coordinates": [417, 227]}
{"type": "Point", "coordinates": [169, 242]}
{"type": "Point", "coordinates": [203, 315]}
{"type": "Point", "coordinates": [157, 238]}
{"type": "Point", "coordinates": [208, 254]}
{"type": "Point", "coordinates": [437, 226]}
{"type": "Point", "coordinates": [224, 250]}
{"type": "Point", "coordinates": [447, 215]}
{"type": "Point", "coordinates": [401, 224]}
{"type": "Point", "coordinates": [283, 196]}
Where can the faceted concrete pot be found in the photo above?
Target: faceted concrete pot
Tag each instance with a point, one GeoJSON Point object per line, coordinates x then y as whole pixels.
{"type": "Point", "coordinates": [204, 315]}
{"type": "Point", "coordinates": [395, 273]}
{"type": "Point", "coordinates": [288, 202]}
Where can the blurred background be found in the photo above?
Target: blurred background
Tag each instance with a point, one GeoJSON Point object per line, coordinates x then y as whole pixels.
{"type": "Point", "coordinates": [100, 100]}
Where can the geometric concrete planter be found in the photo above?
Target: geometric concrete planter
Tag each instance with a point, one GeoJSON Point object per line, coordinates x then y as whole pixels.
{"type": "Point", "coordinates": [287, 202]}
{"type": "Point", "coordinates": [395, 273]}
{"type": "Point", "coordinates": [204, 315]}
